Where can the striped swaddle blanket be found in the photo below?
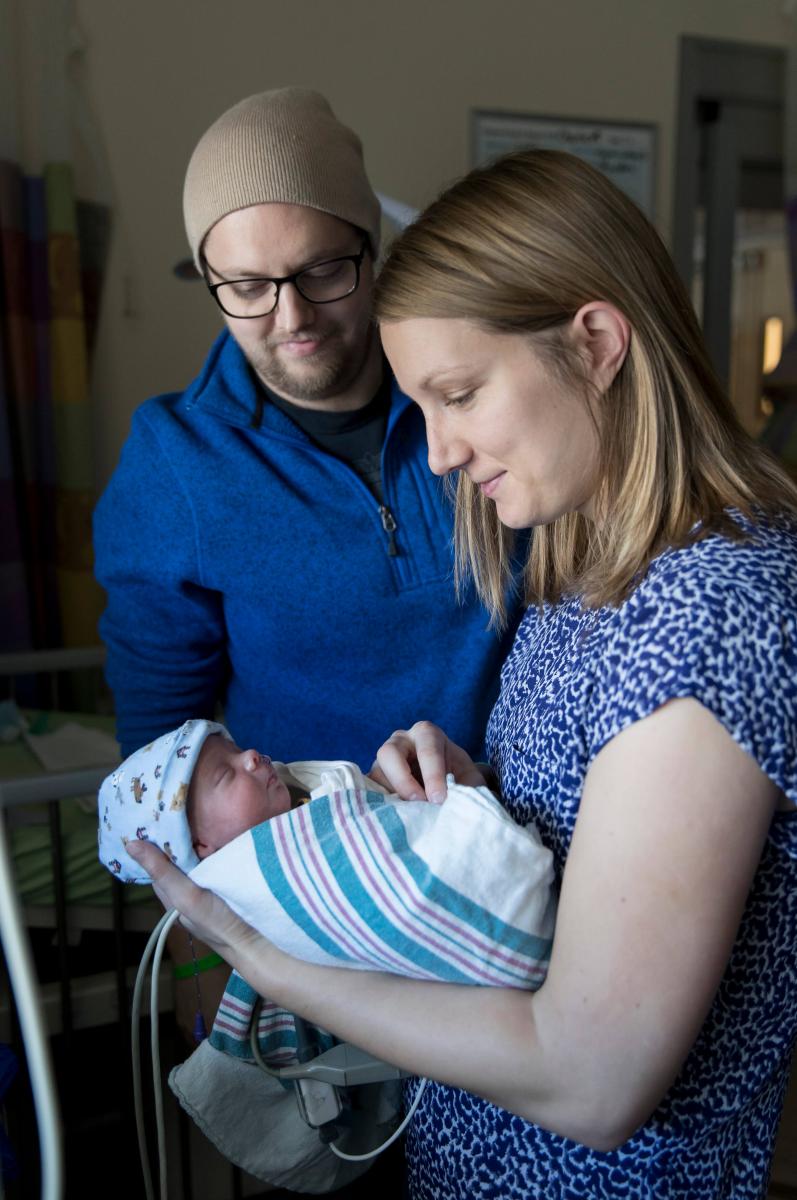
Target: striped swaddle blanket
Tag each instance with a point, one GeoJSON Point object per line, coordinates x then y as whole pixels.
{"type": "Point", "coordinates": [454, 892]}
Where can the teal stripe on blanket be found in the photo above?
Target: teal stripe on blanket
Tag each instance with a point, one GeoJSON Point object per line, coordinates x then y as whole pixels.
{"type": "Point", "coordinates": [310, 903]}
{"type": "Point", "coordinates": [238, 995]}
{"type": "Point", "coordinates": [507, 939]}
{"type": "Point", "coordinates": [276, 1028]}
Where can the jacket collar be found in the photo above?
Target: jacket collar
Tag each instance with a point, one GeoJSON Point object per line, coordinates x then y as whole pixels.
{"type": "Point", "coordinates": [225, 389]}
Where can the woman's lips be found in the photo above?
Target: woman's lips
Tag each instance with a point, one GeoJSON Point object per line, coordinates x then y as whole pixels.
{"type": "Point", "coordinates": [490, 485]}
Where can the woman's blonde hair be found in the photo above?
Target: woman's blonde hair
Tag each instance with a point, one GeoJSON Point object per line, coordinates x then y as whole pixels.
{"type": "Point", "coordinates": [519, 247]}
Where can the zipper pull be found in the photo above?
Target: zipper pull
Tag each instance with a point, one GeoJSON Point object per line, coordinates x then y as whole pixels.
{"type": "Point", "coordinates": [389, 526]}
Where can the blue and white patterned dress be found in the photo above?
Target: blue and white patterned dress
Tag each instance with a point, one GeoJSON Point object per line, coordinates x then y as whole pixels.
{"type": "Point", "coordinates": [716, 621]}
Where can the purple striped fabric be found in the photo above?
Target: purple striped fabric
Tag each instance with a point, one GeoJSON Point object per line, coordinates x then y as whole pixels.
{"type": "Point", "coordinates": [455, 893]}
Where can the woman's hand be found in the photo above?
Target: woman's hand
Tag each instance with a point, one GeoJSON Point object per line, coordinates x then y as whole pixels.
{"type": "Point", "coordinates": [202, 912]}
{"type": "Point", "coordinates": [414, 763]}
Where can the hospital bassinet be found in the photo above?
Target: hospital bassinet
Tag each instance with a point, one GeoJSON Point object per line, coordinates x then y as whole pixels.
{"type": "Point", "coordinates": [85, 933]}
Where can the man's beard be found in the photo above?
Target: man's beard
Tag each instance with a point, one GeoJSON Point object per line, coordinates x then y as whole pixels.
{"type": "Point", "coordinates": [311, 381]}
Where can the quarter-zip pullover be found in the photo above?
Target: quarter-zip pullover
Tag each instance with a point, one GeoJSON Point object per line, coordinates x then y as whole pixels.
{"type": "Point", "coordinates": [245, 566]}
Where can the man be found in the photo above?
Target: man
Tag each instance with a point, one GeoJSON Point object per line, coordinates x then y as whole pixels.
{"type": "Point", "coordinates": [272, 540]}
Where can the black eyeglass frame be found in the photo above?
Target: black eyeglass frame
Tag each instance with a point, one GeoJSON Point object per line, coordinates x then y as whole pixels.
{"type": "Point", "coordinates": [278, 281]}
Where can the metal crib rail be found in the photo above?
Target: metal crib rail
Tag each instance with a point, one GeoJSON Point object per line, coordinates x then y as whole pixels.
{"type": "Point", "coordinates": [13, 793]}
{"type": "Point", "coordinates": [23, 982]}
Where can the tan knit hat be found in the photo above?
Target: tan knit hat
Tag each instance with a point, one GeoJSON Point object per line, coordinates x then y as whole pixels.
{"type": "Point", "coordinates": [284, 146]}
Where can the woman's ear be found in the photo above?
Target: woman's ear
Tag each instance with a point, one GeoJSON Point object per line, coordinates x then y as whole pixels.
{"type": "Point", "coordinates": [602, 336]}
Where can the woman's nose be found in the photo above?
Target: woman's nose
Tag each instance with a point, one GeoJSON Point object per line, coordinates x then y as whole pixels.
{"type": "Point", "coordinates": [446, 453]}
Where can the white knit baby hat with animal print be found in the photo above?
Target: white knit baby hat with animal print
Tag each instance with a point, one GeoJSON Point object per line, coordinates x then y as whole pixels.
{"type": "Point", "coordinates": [145, 799]}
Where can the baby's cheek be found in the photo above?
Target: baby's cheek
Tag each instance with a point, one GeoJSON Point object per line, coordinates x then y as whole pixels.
{"type": "Point", "coordinates": [281, 800]}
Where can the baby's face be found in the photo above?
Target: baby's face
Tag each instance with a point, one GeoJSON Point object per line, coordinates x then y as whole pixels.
{"type": "Point", "coordinates": [231, 790]}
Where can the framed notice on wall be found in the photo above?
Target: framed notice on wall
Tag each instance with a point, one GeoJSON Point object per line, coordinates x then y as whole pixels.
{"type": "Point", "coordinates": [623, 150]}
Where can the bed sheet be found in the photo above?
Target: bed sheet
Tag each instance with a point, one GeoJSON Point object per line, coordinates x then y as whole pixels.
{"type": "Point", "coordinates": [87, 883]}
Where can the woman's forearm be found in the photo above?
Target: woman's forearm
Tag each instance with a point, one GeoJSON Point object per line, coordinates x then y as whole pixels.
{"type": "Point", "coordinates": [648, 913]}
{"type": "Point", "coordinates": [647, 918]}
{"type": "Point", "coordinates": [484, 1040]}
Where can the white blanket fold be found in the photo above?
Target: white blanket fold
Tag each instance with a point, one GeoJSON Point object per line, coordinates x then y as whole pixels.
{"type": "Point", "coordinates": [354, 878]}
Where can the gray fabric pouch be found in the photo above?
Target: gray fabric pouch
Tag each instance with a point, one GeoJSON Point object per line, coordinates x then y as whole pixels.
{"type": "Point", "coordinates": [254, 1121]}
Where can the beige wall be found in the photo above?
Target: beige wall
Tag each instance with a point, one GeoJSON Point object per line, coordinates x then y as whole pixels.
{"type": "Point", "coordinates": [406, 76]}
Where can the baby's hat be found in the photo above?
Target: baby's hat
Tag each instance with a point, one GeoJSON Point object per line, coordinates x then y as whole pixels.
{"type": "Point", "coordinates": [145, 798]}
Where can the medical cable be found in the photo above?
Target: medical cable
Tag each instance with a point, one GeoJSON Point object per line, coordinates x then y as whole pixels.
{"type": "Point", "coordinates": [29, 1011]}
{"type": "Point", "coordinates": [276, 1073]}
{"type": "Point", "coordinates": [394, 1135]}
{"type": "Point", "coordinates": [154, 1009]}
{"type": "Point", "coordinates": [156, 942]}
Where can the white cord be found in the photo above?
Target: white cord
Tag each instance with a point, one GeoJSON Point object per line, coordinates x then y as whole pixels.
{"type": "Point", "coordinates": [158, 935]}
{"type": "Point", "coordinates": [254, 1043]}
{"type": "Point", "coordinates": [155, 946]}
{"type": "Point", "coordinates": [389, 1141]}
{"type": "Point", "coordinates": [34, 1034]}
{"type": "Point", "coordinates": [154, 1008]}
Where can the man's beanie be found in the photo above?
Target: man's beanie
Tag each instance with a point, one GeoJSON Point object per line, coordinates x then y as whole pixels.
{"type": "Point", "coordinates": [284, 146]}
{"type": "Point", "coordinates": [146, 798]}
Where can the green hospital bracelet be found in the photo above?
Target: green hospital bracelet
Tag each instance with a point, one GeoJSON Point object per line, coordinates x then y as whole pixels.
{"type": "Point", "coordinates": [190, 969]}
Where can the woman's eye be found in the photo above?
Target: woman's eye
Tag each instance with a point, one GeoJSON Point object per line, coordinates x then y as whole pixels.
{"type": "Point", "coordinates": [460, 398]}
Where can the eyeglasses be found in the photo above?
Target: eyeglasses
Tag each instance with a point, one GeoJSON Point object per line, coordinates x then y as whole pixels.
{"type": "Point", "coordinates": [323, 283]}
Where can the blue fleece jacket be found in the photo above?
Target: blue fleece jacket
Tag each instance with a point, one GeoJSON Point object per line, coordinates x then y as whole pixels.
{"type": "Point", "coordinates": [247, 565]}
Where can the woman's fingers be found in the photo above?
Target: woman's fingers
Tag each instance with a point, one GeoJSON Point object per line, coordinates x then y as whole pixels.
{"type": "Point", "coordinates": [378, 775]}
{"type": "Point", "coordinates": [431, 752]}
{"type": "Point", "coordinates": [173, 887]}
{"type": "Point", "coordinates": [413, 763]}
{"type": "Point", "coordinates": [201, 911]}
{"type": "Point", "coordinates": [393, 767]}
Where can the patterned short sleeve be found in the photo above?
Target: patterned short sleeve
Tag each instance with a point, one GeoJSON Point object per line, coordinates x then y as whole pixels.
{"type": "Point", "coordinates": [716, 622]}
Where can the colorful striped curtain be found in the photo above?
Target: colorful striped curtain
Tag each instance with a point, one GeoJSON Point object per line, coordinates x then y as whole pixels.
{"type": "Point", "coordinates": [49, 596]}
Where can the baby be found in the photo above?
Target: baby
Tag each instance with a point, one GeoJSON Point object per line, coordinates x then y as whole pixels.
{"type": "Point", "coordinates": [231, 791]}
{"type": "Point", "coordinates": [193, 791]}
{"type": "Point", "coordinates": [356, 877]}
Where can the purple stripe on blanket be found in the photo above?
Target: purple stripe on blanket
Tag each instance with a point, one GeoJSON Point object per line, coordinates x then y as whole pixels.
{"type": "Point", "coordinates": [281, 1058]}
{"type": "Point", "coordinates": [235, 1030]}
{"type": "Point", "coordinates": [236, 1006]}
{"type": "Point", "coordinates": [388, 864]}
{"type": "Point", "coordinates": [338, 918]}
{"type": "Point", "coordinates": [275, 1023]}
{"type": "Point", "coordinates": [419, 933]}
{"type": "Point", "coordinates": [240, 1029]}
{"type": "Point", "coordinates": [399, 917]}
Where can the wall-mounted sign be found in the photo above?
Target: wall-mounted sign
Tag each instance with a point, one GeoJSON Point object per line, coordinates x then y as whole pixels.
{"type": "Point", "coordinates": [625, 151]}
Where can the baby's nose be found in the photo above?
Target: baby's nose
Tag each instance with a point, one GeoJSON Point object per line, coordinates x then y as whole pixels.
{"type": "Point", "coordinates": [253, 759]}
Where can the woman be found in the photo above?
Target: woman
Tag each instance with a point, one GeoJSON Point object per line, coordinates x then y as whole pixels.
{"type": "Point", "coordinates": [646, 720]}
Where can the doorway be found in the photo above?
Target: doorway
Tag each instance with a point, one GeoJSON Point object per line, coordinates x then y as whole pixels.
{"type": "Point", "coordinates": [729, 229]}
